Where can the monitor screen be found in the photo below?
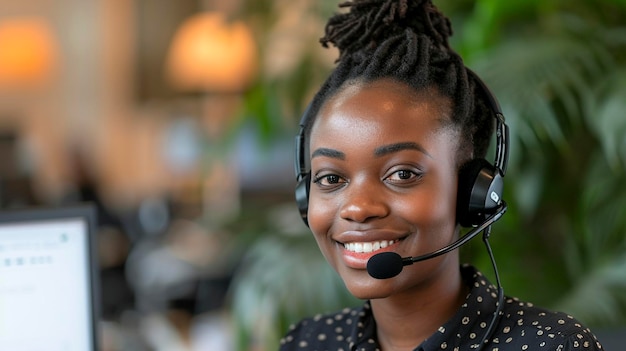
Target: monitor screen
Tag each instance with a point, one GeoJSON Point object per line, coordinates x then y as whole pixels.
{"type": "Point", "coordinates": [48, 280]}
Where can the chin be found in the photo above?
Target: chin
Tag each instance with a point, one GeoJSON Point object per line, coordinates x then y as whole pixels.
{"type": "Point", "coordinates": [369, 295]}
{"type": "Point", "coordinates": [369, 291]}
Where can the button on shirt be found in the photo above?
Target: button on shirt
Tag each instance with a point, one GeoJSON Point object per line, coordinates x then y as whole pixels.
{"type": "Point", "coordinates": [521, 326]}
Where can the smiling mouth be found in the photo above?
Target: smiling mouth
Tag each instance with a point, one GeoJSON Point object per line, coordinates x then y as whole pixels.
{"type": "Point", "coordinates": [367, 247]}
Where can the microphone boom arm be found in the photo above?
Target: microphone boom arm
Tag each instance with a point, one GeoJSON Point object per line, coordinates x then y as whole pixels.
{"type": "Point", "coordinates": [462, 241]}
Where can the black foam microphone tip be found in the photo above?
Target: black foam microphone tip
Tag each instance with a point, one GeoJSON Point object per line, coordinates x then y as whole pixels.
{"type": "Point", "coordinates": [385, 265]}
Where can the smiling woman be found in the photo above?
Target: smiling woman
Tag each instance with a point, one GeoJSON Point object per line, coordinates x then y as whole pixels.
{"type": "Point", "coordinates": [390, 153]}
{"type": "Point", "coordinates": [409, 171]}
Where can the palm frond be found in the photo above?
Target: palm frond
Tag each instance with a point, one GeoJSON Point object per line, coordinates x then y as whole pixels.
{"type": "Point", "coordinates": [598, 298]}
{"type": "Point", "coordinates": [533, 75]}
{"type": "Point", "coordinates": [563, 95]}
{"type": "Point", "coordinates": [606, 115]}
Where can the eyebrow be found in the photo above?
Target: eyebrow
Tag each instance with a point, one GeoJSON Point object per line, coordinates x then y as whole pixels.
{"type": "Point", "coordinates": [378, 152]}
{"type": "Point", "coordinates": [391, 148]}
{"type": "Point", "coordinates": [329, 153]}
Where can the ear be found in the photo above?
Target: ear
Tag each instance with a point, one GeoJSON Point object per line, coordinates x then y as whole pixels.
{"type": "Point", "coordinates": [479, 192]}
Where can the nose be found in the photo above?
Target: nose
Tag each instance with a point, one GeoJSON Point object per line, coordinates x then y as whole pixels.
{"type": "Point", "coordinates": [363, 203]}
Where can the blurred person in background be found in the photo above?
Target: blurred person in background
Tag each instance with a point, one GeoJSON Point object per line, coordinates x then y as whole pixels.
{"type": "Point", "coordinates": [16, 183]}
{"type": "Point", "coordinates": [85, 186]}
{"type": "Point", "coordinates": [181, 279]}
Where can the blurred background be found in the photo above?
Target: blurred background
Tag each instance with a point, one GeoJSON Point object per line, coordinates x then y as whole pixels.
{"type": "Point", "coordinates": [176, 118]}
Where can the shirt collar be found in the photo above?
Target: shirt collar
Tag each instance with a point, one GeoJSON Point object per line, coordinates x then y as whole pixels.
{"type": "Point", "coordinates": [364, 330]}
{"type": "Point", "coordinates": [468, 326]}
{"type": "Point", "coordinates": [465, 328]}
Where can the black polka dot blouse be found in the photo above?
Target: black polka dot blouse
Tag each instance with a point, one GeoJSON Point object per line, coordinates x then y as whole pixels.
{"type": "Point", "coordinates": [521, 326]}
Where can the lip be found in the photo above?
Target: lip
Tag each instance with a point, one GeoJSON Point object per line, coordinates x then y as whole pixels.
{"type": "Point", "coordinates": [358, 260]}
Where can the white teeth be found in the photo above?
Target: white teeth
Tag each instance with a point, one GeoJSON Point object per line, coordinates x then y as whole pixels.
{"type": "Point", "coordinates": [368, 247]}
{"type": "Point", "coordinates": [358, 247]}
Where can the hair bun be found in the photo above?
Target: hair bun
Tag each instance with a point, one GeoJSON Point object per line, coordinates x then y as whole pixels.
{"type": "Point", "coordinates": [369, 22]}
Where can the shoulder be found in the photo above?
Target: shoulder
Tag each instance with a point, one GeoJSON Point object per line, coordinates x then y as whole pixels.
{"type": "Point", "coordinates": [323, 330]}
{"type": "Point", "coordinates": [522, 325]}
{"type": "Point", "coordinates": [533, 327]}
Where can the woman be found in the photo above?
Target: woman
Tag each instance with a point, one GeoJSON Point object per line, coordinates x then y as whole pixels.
{"type": "Point", "coordinates": [383, 156]}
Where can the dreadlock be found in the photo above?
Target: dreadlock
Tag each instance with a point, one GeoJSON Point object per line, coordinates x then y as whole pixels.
{"type": "Point", "coordinates": [406, 41]}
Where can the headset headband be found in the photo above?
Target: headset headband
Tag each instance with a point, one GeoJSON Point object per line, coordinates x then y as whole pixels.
{"type": "Point", "coordinates": [502, 130]}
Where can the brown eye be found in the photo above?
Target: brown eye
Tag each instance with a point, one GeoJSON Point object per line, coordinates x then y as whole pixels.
{"type": "Point", "coordinates": [328, 180]}
{"type": "Point", "coordinates": [403, 176]}
{"type": "Point", "coordinates": [332, 179]}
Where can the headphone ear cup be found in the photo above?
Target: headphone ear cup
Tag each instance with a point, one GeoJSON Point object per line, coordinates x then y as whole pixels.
{"type": "Point", "coordinates": [479, 192]}
{"type": "Point", "coordinates": [302, 196]}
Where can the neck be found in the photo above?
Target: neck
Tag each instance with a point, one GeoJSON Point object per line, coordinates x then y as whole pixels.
{"type": "Point", "coordinates": [405, 320]}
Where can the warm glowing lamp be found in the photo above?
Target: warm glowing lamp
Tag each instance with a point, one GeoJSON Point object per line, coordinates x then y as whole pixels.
{"type": "Point", "coordinates": [28, 53]}
{"type": "Point", "coordinates": [210, 54]}
{"type": "Point", "coordinates": [217, 58]}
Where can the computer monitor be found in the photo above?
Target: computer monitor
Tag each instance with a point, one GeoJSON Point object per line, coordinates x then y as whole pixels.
{"type": "Point", "coordinates": [48, 280]}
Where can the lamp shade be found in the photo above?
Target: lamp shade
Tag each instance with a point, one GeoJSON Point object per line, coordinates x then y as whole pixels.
{"type": "Point", "coordinates": [28, 53]}
{"type": "Point", "coordinates": [209, 54]}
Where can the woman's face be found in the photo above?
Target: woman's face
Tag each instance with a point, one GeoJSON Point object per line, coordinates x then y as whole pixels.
{"type": "Point", "coordinates": [384, 178]}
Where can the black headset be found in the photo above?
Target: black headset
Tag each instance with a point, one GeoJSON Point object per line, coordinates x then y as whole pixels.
{"type": "Point", "coordinates": [480, 187]}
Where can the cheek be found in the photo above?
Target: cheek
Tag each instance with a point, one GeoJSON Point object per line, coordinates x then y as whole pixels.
{"type": "Point", "coordinates": [433, 208]}
{"type": "Point", "coordinates": [320, 217]}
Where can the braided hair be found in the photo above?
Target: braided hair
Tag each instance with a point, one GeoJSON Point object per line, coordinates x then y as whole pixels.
{"type": "Point", "coordinates": [406, 41]}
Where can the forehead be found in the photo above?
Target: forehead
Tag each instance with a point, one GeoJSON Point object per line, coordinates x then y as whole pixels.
{"type": "Point", "coordinates": [393, 87]}
{"type": "Point", "coordinates": [382, 107]}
